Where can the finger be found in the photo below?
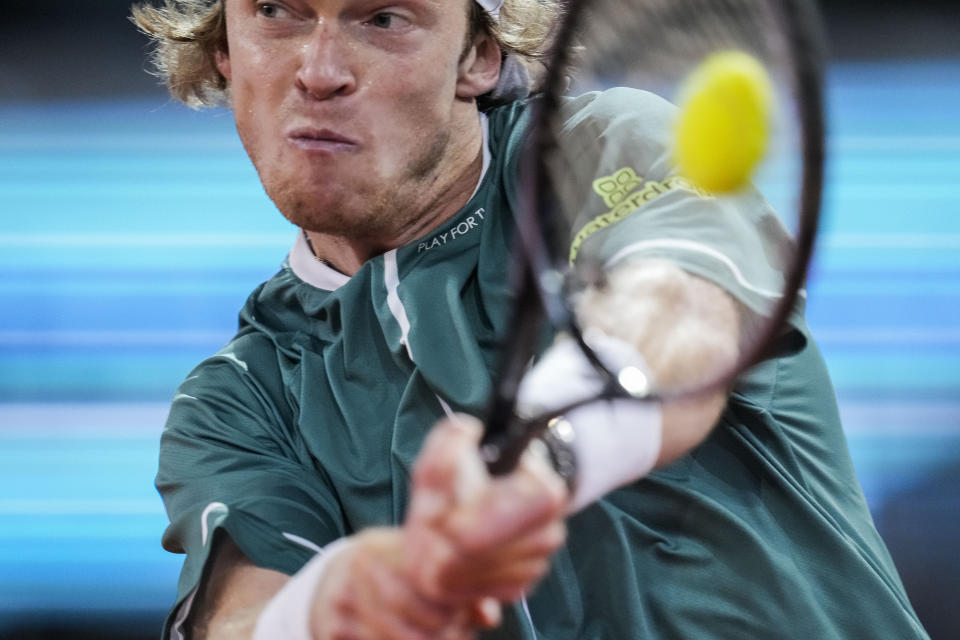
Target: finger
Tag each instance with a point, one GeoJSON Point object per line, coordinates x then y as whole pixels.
{"type": "Point", "coordinates": [541, 542]}
{"type": "Point", "coordinates": [437, 563]}
{"type": "Point", "coordinates": [457, 633]}
{"type": "Point", "coordinates": [339, 621]}
{"type": "Point", "coordinates": [431, 555]}
{"type": "Point", "coordinates": [509, 508]}
{"type": "Point", "coordinates": [445, 576]}
{"type": "Point", "coordinates": [387, 625]}
{"type": "Point", "coordinates": [397, 595]}
{"type": "Point", "coordinates": [451, 435]}
{"type": "Point", "coordinates": [344, 625]}
{"type": "Point", "coordinates": [506, 584]}
{"type": "Point", "coordinates": [386, 602]}
{"type": "Point", "coordinates": [448, 468]}
{"type": "Point", "coordinates": [450, 578]}
{"type": "Point", "coordinates": [462, 626]}
{"type": "Point", "coordinates": [486, 613]}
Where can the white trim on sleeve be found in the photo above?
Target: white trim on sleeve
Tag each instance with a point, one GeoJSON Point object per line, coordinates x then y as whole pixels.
{"type": "Point", "coordinates": [303, 542]}
{"type": "Point", "coordinates": [214, 508]}
{"type": "Point", "coordinates": [176, 629]}
{"type": "Point", "coordinates": [696, 247]}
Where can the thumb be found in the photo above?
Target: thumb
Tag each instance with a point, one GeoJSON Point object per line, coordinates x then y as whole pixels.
{"type": "Point", "coordinates": [448, 470]}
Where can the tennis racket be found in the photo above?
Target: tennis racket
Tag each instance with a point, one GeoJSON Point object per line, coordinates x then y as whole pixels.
{"type": "Point", "coordinates": [742, 149]}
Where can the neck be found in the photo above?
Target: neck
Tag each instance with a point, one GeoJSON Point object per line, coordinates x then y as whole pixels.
{"type": "Point", "coordinates": [348, 254]}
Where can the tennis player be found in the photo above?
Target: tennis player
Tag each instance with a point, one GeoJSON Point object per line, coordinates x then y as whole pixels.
{"type": "Point", "coordinates": [300, 466]}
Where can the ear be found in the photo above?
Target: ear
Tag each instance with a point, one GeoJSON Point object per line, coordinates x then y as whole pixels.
{"type": "Point", "coordinates": [479, 68]}
{"type": "Point", "coordinates": [222, 59]}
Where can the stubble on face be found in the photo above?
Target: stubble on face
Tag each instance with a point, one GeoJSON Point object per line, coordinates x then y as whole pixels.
{"type": "Point", "coordinates": [372, 209]}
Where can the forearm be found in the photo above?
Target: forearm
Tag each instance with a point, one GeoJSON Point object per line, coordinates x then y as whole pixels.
{"type": "Point", "coordinates": [241, 600]}
{"type": "Point", "coordinates": [684, 327]}
{"type": "Point", "coordinates": [236, 625]}
{"type": "Point", "coordinates": [233, 596]}
{"type": "Point", "coordinates": [367, 586]}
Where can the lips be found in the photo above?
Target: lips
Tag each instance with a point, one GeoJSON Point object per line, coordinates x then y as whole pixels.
{"type": "Point", "coordinates": [321, 140]}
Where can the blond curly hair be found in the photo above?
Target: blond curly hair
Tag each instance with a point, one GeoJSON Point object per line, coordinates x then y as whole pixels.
{"type": "Point", "coordinates": [188, 34]}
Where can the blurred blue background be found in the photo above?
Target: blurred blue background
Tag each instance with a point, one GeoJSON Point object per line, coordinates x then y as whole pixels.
{"type": "Point", "coordinates": [132, 229]}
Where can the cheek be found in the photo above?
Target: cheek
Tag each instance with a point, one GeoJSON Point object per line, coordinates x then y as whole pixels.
{"type": "Point", "coordinates": [256, 66]}
{"type": "Point", "coordinates": [427, 92]}
{"type": "Point", "coordinates": [257, 93]}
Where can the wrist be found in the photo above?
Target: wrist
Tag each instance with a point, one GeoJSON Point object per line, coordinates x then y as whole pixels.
{"type": "Point", "coordinates": [605, 443]}
{"type": "Point", "coordinates": [615, 442]}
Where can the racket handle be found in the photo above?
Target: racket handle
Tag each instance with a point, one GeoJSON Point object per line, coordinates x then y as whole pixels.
{"type": "Point", "coordinates": [501, 450]}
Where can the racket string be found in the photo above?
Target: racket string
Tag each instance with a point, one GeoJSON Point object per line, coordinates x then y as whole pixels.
{"type": "Point", "coordinates": [659, 42]}
{"type": "Point", "coordinates": [666, 38]}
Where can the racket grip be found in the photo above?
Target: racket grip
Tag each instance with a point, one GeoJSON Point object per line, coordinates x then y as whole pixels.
{"type": "Point", "coordinates": [501, 450]}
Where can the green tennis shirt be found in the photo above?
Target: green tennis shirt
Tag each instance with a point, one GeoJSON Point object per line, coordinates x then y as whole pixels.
{"type": "Point", "coordinates": [304, 428]}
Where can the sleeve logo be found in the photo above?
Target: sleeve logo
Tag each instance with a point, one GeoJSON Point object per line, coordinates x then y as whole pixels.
{"type": "Point", "coordinates": [615, 189]}
{"type": "Point", "coordinates": [623, 195]}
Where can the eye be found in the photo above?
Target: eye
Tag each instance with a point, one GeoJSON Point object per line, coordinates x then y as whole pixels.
{"type": "Point", "coordinates": [271, 10]}
{"type": "Point", "coordinates": [385, 20]}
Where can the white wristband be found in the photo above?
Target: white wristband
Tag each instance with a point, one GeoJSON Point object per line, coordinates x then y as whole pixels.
{"type": "Point", "coordinates": [615, 441]}
{"type": "Point", "coordinates": [287, 615]}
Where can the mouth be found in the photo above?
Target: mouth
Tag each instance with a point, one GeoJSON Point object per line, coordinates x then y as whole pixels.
{"type": "Point", "coordinates": [321, 140]}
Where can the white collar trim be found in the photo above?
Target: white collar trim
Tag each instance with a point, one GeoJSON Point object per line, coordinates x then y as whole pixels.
{"type": "Point", "coordinates": [321, 275]}
{"type": "Point", "coordinates": [315, 273]}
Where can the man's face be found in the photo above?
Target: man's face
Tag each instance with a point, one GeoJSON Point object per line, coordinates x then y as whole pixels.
{"type": "Point", "coordinates": [349, 109]}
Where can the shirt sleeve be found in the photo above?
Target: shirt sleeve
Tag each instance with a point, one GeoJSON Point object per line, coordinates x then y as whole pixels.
{"type": "Point", "coordinates": [629, 202]}
{"type": "Point", "coordinates": [231, 462]}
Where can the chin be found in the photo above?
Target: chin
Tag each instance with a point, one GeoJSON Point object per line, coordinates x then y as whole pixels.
{"type": "Point", "coordinates": [306, 205]}
{"type": "Point", "coordinates": [324, 213]}
{"type": "Point", "coordinates": [311, 216]}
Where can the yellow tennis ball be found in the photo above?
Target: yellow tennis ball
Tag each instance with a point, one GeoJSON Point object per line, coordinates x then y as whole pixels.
{"type": "Point", "coordinates": [723, 126]}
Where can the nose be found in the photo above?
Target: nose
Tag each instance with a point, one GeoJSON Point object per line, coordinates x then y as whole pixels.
{"type": "Point", "coordinates": [326, 70]}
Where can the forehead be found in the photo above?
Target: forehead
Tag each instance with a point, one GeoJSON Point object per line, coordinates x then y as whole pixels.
{"type": "Point", "coordinates": [442, 16]}
{"type": "Point", "coordinates": [439, 6]}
